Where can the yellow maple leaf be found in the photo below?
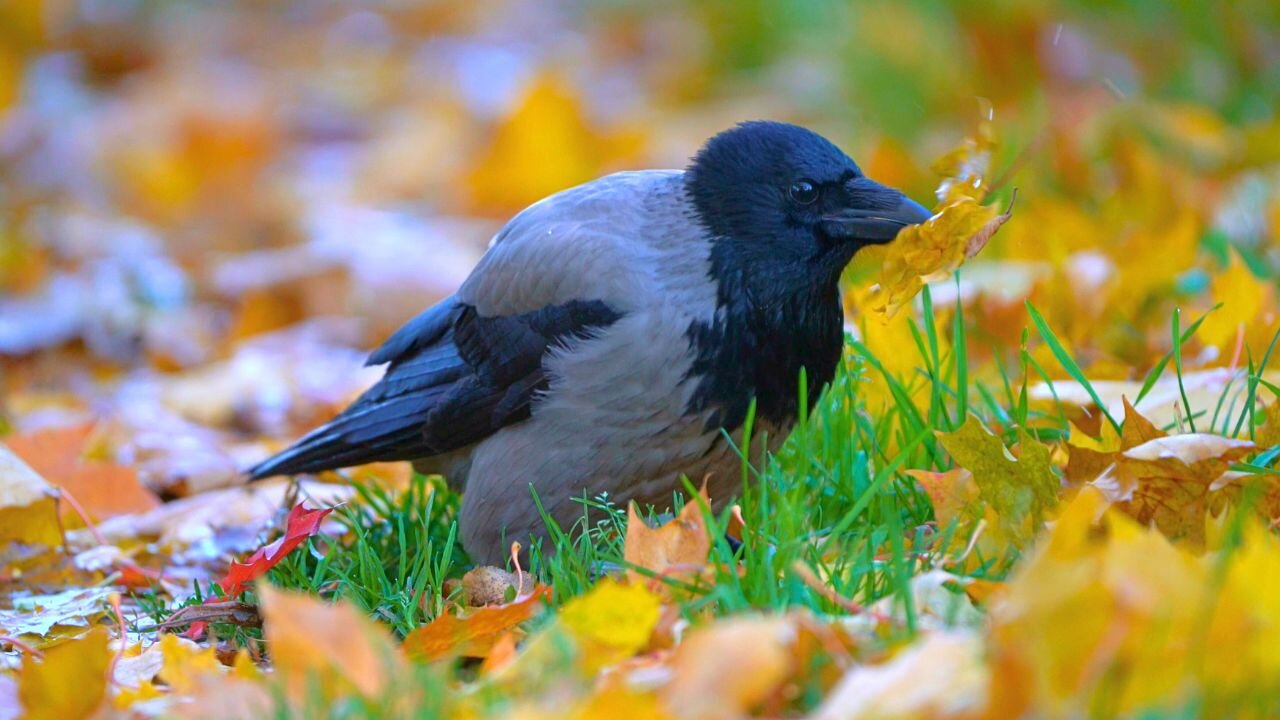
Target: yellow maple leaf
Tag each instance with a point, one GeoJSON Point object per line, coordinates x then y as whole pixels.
{"type": "Point", "coordinates": [70, 682]}
{"type": "Point", "coordinates": [612, 620]}
{"type": "Point", "coordinates": [1020, 491]}
{"type": "Point", "coordinates": [960, 227]}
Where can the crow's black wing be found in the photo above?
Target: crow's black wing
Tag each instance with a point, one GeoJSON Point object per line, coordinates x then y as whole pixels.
{"type": "Point", "coordinates": [454, 378]}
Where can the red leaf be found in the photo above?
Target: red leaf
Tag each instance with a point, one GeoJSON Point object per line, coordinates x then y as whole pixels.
{"type": "Point", "coordinates": [302, 524]}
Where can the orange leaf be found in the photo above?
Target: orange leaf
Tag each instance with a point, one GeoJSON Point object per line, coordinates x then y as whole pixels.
{"type": "Point", "coordinates": [102, 489]}
{"type": "Point", "coordinates": [678, 546]}
{"type": "Point", "coordinates": [476, 634]}
{"type": "Point", "coordinates": [335, 647]}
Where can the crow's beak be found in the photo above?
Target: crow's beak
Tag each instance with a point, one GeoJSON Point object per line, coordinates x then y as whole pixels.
{"type": "Point", "coordinates": [874, 215]}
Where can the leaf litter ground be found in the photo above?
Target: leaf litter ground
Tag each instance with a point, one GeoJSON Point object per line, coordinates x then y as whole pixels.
{"type": "Point", "coordinates": [1043, 484]}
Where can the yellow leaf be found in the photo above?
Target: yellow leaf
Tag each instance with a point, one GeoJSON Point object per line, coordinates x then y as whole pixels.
{"type": "Point", "coordinates": [544, 146]}
{"type": "Point", "coordinates": [953, 494]}
{"type": "Point", "coordinates": [932, 251]}
{"type": "Point", "coordinates": [960, 227]}
{"type": "Point", "coordinates": [1243, 298]}
{"type": "Point", "coordinates": [616, 703]}
{"type": "Point", "coordinates": [613, 620]}
{"type": "Point", "coordinates": [1020, 491]}
{"type": "Point", "coordinates": [127, 697]}
{"type": "Point", "coordinates": [1090, 612]}
{"type": "Point", "coordinates": [70, 682]}
{"type": "Point", "coordinates": [28, 505]}
{"type": "Point", "coordinates": [336, 645]}
{"type": "Point", "coordinates": [1244, 630]}
{"type": "Point", "coordinates": [186, 663]}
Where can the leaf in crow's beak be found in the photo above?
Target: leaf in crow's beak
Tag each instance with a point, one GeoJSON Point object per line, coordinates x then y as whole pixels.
{"type": "Point", "coordinates": [932, 250]}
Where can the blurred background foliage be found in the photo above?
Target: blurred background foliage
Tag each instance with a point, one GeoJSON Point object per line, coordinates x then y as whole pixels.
{"type": "Point", "coordinates": [178, 177]}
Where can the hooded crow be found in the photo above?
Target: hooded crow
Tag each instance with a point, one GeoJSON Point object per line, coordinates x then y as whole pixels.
{"type": "Point", "coordinates": [614, 334]}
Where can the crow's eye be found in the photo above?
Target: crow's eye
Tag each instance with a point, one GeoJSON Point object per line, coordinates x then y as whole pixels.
{"type": "Point", "coordinates": [803, 192]}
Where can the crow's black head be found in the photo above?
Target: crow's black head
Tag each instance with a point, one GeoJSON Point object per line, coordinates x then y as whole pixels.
{"type": "Point", "coordinates": [785, 211]}
{"type": "Point", "coordinates": [786, 195]}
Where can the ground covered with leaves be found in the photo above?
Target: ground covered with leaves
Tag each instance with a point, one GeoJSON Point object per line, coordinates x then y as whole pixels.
{"type": "Point", "coordinates": [1043, 483]}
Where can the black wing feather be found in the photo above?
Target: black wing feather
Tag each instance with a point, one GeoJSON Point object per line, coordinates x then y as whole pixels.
{"type": "Point", "coordinates": [455, 377]}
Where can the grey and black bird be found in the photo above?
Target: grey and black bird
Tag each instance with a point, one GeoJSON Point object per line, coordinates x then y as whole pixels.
{"type": "Point", "coordinates": [614, 333]}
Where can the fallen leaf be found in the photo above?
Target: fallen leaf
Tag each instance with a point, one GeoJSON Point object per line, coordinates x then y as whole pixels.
{"type": "Point", "coordinates": [102, 489]}
{"type": "Point", "coordinates": [38, 615]}
{"type": "Point", "coordinates": [543, 146]}
{"type": "Point", "coordinates": [1105, 610]}
{"type": "Point", "coordinates": [954, 496]}
{"type": "Point", "coordinates": [476, 633]}
{"type": "Point", "coordinates": [28, 505]}
{"type": "Point", "coordinates": [1089, 458]}
{"type": "Point", "coordinates": [335, 645]}
{"type": "Point", "coordinates": [70, 682]}
{"type": "Point", "coordinates": [1162, 405]}
{"type": "Point", "coordinates": [185, 663]}
{"type": "Point", "coordinates": [727, 668]}
{"type": "Point", "coordinates": [1020, 491]}
{"type": "Point", "coordinates": [1171, 481]}
{"type": "Point", "coordinates": [677, 547]}
{"type": "Point", "coordinates": [945, 675]}
{"type": "Point", "coordinates": [300, 525]}
{"type": "Point", "coordinates": [612, 620]}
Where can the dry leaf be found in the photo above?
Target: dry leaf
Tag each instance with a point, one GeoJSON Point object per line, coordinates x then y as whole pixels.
{"type": "Point", "coordinates": [727, 668]}
{"type": "Point", "coordinates": [960, 227]}
{"type": "Point", "coordinates": [476, 633]}
{"type": "Point", "coordinates": [70, 682]}
{"type": "Point", "coordinates": [678, 547]}
{"type": "Point", "coordinates": [612, 620]}
{"type": "Point", "coordinates": [1171, 482]}
{"type": "Point", "coordinates": [942, 676]}
{"type": "Point", "coordinates": [335, 644]}
{"type": "Point", "coordinates": [1019, 491]}
{"type": "Point", "coordinates": [102, 489]}
{"type": "Point", "coordinates": [28, 506]}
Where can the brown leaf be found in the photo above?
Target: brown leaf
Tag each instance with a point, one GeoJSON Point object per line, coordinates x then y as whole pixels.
{"type": "Point", "coordinates": [680, 546]}
{"type": "Point", "coordinates": [1171, 482]}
